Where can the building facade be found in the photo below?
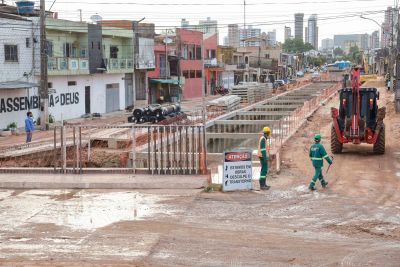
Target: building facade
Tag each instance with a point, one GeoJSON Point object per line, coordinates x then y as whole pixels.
{"type": "Point", "coordinates": [374, 40]}
{"type": "Point", "coordinates": [327, 44]}
{"type": "Point", "coordinates": [298, 25]}
{"type": "Point", "coordinates": [312, 31]}
{"type": "Point", "coordinates": [212, 69]}
{"type": "Point", "coordinates": [387, 28]}
{"type": "Point", "coordinates": [271, 38]}
{"type": "Point", "coordinates": [189, 48]}
{"type": "Point", "coordinates": [19, 50]}
{"type": "Point", "coordinates": [208, 26]}
{"type": "Point", "coordinates": [288, 33]}
{"type": "Point", "coordinates": [233, 35]}
{"type": "Point", "coordinates": [250, 33]}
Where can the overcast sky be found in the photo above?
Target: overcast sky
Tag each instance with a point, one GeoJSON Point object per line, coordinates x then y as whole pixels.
{"type": "Point", "coordinates": [264, 14]}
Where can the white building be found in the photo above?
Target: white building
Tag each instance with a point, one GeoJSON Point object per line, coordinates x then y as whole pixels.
{"type": "Point", "coordinates": [249, 33]}
{"type": "Point", "coordinates": [288, 33]}
{"type": "Point", "coordinates": [18, 88]}
{"type": "Point", "coordinates": [312, 31]}
{"type": "Point", "coordinates": [208, 26]}
{"type": "Point", "coordinates": [327, 44]}
{"type": "Point", "coordinates": [233, 35]}
{"type": "Point", "coordinates": [271, 38]}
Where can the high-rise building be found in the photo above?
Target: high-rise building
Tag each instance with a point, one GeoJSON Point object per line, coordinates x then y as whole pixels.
{"type": "Point", "coordinates": [374, 40]}
{"type": "Point", "coordinates": [233, 35]}
{"type": "Point", "coordinates": [271, 38]}
{"type": "Point", "coordinates": [312, 31]}
{"type": "Point", "coordinates": [298, 25]}
{"type": "Point", "coordinates": [208, 26]}
{"type": "Point", "coordinates": [387, 28]}
{"type": "Point", "coordinates": [327, 44]}
{"type": "Point", "coordinates": [226, 41]}
{"type": "Point", "coordinates": [306, 35]}
{"type": "Point", "coordinates": [184, 23]}
{"type": "Point", "coordinates": [249, 33]}
{"type": "Point", "coordinates": [340, 39]}
{"type": "Point", "coordinates": [288, 33]}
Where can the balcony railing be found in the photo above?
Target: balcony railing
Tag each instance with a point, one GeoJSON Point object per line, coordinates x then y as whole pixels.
{"type": "Point", "coordinates": [241, 65]}
{"type": "Point", "coordinates": [67, 64]}
{"type": "Point", "coordinates": [212, 63]}
{"type": "Point", "coordinates": [119, 63]}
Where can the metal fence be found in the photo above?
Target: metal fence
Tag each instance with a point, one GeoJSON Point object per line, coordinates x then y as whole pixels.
{"type": "Point", "coordinates": [154, 149]}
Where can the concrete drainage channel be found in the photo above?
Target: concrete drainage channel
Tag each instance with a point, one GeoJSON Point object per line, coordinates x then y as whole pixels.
{"type": "Point", "coordinates": [284, 114]}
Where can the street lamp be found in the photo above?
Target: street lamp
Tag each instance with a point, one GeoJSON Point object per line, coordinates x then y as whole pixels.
{"type": "Point", "coordinates": [380, 25]}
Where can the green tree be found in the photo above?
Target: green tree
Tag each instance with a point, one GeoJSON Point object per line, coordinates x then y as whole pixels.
{"type": "Point", "coordinates": [338, 52]}
{"type": "Point", "coordinates": [296, 45]}
{"type": "Point", "coordinates": [354, 55]}
{"type": "Point", "coordinates": [317, 61]}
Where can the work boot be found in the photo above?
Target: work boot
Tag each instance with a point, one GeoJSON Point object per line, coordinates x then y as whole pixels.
{"type": "Point", "coordinates": [263, 186]}
{"type": "Point", "coordinates": [324, 184]}
{"type": "Point", "coordinates": [312, 188]}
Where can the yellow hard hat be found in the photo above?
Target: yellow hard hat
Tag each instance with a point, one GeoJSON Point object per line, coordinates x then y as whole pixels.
{"type": "Point", "coordinates": [266, 130]}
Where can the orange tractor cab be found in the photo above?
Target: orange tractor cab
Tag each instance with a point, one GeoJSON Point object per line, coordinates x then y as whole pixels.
{"type": "Point", "coordinates": [358, 119]}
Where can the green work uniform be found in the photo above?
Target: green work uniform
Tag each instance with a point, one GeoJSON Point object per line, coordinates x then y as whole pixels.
{"type": "Point", "coordinates": [317, 156]}
{"type": "Point", "coordinates": [262, 147]}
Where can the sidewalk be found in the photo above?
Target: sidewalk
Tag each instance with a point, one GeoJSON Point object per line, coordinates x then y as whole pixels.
{"type": "Point", "coordinates": [101, 181]}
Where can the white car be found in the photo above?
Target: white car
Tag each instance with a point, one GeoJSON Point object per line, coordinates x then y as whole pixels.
{"type": "Point", "coordinates": [315, 75]}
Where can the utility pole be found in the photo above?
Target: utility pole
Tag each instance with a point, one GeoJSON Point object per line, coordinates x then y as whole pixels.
{"type": "Point", "coordinates": [244, 14]}
{"type": "Point", "coordinates": [44, 94]}
{"type": "Point", "coordinates": [203, 93]}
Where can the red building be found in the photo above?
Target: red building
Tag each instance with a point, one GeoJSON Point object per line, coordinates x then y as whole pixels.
{"type": "Point", "coordinates": [177, 76]}
{"type": "Point", "coordinates": [212, 70]}
{"type": "Point", "coordinates": [189, 48]}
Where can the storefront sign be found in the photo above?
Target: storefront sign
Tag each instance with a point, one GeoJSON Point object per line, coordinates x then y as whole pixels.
{"type": "Point", "coordinates": [237, 171]}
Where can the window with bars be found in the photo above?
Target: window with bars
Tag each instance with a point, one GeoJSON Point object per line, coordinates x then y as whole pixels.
{"type": "Point", "coordinates": [11, 53]}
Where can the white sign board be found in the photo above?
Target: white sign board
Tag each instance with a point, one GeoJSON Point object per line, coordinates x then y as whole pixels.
{"type": "Point", "coordinates": [237, 171]}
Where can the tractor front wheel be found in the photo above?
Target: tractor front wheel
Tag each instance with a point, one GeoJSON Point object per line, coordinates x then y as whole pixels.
{"type": "Point", "coordinates": [336, 146]}
{"type": "Point", "coordinates": [379, 146]}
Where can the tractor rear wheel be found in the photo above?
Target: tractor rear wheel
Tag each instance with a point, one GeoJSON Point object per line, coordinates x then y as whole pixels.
{"type": "Point", "coordinates": [336, 146]}
{"type": "Point", "coordinates": [379, 146]}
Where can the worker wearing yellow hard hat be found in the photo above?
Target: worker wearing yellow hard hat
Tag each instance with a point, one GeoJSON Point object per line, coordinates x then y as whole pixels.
{"type": "Point", "coordinates": [263, 156]}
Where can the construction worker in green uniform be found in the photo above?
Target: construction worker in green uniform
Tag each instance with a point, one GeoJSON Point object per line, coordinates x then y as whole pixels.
{"type": "Point", "coordinates": [317, 156]}
{"type": "Point", "coordinates": [263, 156]}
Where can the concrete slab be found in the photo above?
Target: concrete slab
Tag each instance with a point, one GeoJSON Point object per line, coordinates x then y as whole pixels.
{"type": "Point", "coordinates": [101, 181]}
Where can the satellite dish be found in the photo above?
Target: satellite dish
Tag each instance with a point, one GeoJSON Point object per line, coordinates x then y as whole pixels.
{"type": "Point", "coordinates": [167, 40]}
{"type": "Point", "coordinates": [96, 18]}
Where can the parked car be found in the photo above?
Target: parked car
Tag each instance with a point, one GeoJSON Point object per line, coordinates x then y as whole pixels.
{"type": "Point", "coordinates": [278, 83]}
{"type": "Point", "coordinates": [300, 74]}
{"type": "Point", "coordinates": [315, 74]}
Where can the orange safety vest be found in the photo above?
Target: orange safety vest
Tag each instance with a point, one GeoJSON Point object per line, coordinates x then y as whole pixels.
{"type": "Point", "coordinates": [259, 154]}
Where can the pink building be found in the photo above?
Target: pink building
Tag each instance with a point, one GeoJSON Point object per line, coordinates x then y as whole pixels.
{"type": "Point", "coordinates": [177, 76]}
{"type": "Point", "coordinates": [189, 48]}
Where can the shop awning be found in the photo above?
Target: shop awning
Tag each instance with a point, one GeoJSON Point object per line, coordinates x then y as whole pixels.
{"type": "Point", "coordinates": [17, 85]}
{"type": "Point", "coordinates": [170, 81]}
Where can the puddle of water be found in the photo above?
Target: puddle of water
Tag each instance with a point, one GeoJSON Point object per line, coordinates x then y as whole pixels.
{"type": "Point", "coordinates": [88, 211]}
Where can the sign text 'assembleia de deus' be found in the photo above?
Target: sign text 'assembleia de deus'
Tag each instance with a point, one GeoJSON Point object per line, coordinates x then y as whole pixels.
{"type": "Point", "coordinates": [237, 171]}
{"type": "Point", "coordinates": [21, 103]}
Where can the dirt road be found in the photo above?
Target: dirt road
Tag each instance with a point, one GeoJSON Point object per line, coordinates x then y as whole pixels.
{"type": "Point", "coordinates": [355, 222]}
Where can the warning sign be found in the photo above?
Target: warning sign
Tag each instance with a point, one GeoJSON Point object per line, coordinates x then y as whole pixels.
{"type": "Point", "coordinates": [237, 171]}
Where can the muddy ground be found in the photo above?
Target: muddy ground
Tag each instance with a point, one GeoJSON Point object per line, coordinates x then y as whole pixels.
{"type": "Point", "coordinates": [355, 222]}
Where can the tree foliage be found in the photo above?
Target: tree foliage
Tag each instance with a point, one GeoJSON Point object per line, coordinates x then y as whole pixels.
{"type": "Point", "coordinates": [296, 46]}
{"type": "Point", "coordinates": [354, 55]}
{"type": "Point", "coordinates": [338, 52]}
